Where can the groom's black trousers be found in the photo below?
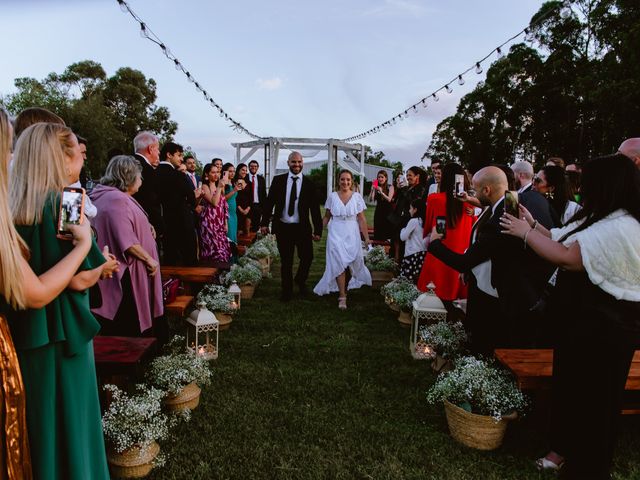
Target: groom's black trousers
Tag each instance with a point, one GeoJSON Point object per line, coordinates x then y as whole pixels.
{"type": "Point", "coordinates": [290, 237]}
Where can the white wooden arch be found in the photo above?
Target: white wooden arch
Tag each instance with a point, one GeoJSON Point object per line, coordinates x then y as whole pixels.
{"type": "Point", "coordinates": [273, 145]}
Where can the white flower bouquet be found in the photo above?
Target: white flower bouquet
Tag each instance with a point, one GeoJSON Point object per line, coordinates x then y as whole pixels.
{"type": "Point", "coordinates": [401, 292]}
{"type": "Point", "coordinates": [135, 420]}
{"type": "Point", "coordinates": [478, 387]}
{"type": "Point", "coordinates": [217, 299]}
{"type": "Point", "coordinates": [377, 259]}
{"type": "Point", "coordinates": [446, 338]}
{"type": "Point", "coordinates": [171, 373]}
{"type": "Point", "coordinates": [243, 274]}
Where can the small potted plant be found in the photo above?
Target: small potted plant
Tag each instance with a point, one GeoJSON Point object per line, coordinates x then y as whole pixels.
{"type": "Point", "coordinates": [390, 290]}
{"type": "Point", "coordinates": [180, 376]}
{"type": "Point", "coordinates": [219, 301]}
{"type": "Point", "coordinates": [380, 265]}
{"type": "Point", "coordinates": [401, 294]}
{"type": "Point", "coordinates": [246, 276]}
{"type": "Point", "coordinates": [260, 251]}
{"type": "Point", "coordinates": [447, 340]}
{"type": "Point", "coordinates": [132, 425]}
{"type": "Point", "coordinates": [479, 399]}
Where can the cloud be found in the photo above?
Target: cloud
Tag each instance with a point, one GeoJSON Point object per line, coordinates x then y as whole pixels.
{"type": "Point", "coordinates": [269, 83]}
{"type": "Point", "coordinates": [398, 7]}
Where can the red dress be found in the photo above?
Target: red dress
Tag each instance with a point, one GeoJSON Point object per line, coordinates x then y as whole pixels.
{"type": "Point", "coordinates": [448, 284]}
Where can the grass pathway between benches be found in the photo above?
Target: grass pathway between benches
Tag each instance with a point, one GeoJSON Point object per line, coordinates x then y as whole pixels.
{"type": "Point", "coordinates": [304, 391]}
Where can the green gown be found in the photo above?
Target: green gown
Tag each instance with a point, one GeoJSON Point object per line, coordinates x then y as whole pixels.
{"type": "Point", "coordinates": [232, 233]}
{"type": "Point", "coordinates": [55, 351]}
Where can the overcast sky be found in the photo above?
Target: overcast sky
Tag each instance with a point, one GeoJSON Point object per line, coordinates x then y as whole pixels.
{"type": "Point", "coordinates": [330, 68]}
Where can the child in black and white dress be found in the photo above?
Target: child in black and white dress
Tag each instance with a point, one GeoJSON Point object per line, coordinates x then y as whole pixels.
{"type": "Point", "coordinates": [415, 247]}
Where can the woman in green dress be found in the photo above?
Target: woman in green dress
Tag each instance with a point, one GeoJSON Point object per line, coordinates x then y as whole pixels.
{"type": "Point", "coordinates": [55, 341]}
{"type": "Point", "coordinates": [231, 194]}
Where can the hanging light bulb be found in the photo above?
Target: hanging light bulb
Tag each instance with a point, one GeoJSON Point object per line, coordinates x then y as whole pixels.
{"type": "Point", "coordinates": [448, 88]}
{"type": "Point", "coordinates": [401, 117]}
{"type": "Point", "coordinates": [424, 103]}
{"type": "Point", "coordinates": [528, 35]}
{"type": "Point", "coordinates": [143, 30]}
{"type": "Point", "coordinates": [190, 78]}
{"type": "Point", "coordinates": [123, 6]}
{"type": "Point", "coordinates": [177, 64]}
{"type": "Point", "coordinates": [478, 68]}
{"type": "Point", "coordinates": [499, 52]}
{"type": "Point", "coordinates": [415, 109]}
{"type": "Point", "coordinates": [435, 96]}
{"type": "Point", "coordinates": [460, 80]}
{"type": "Point", "coordinates": [165, 50]}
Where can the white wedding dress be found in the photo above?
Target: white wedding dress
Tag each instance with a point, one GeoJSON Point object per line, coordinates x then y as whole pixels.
{"type": "Point", "coordinates": [344, 247]}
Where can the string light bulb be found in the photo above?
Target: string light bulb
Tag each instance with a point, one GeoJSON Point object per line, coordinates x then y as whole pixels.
{"type": "Point", "coordinates": [448, 88]}
{"type": "Point", "coordinates": [499, 52]}
{"type": "Point", "coordinates": [143, 30]}
{"type": "Point", "coordinates": [478, 68]}
{"type": "Point", "coordinates": [123, 6]}
{"type": "Point", "coordinates": [435, 96]}
{"type": "Point", "coordinates": [460, 80]}
{"type": "Point", "coordinates": [424, 103]}
{"type": "Point", "coordinates": [177, 64]}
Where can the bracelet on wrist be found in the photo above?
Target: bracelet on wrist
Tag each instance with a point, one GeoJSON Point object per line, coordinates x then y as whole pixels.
{"type": "Point", "coordinates": [526, 235]}
{"type": "Point", "coordinates": [535, 224]}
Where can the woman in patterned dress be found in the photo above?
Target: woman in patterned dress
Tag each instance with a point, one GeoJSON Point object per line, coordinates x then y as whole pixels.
{"type": "Point", "coordinates": [214, 244]}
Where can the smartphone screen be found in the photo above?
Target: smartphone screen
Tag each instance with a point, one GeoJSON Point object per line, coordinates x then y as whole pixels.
{"type": "Point", "coordinates": [374, 184]}
{"type": "Point", "coordinates": [71, 209]}
{"type": "Point", "coordinates": [511, 203]}
{"type": "Point", "coordinates": [441, 225]}
{"type": "Point", "coordinates": [459, 184]}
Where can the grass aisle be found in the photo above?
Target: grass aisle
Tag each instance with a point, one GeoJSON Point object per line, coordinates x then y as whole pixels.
{"type": "Point", "coordinates": [304, 391]}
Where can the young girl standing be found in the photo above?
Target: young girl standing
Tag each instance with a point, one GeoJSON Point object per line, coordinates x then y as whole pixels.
{"type": "Point", "coordinates": [415, 244]}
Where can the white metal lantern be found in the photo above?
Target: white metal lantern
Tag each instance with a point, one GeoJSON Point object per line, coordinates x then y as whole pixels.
{"type": "Point", "coordinates": [234, 290]}
{"type": "Point", "coordinates": [202, 333]}
{"type": "Point", "coordinates": [427, 309]}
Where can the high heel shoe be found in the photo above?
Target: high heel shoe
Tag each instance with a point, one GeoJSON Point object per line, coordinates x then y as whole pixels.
{"type": "Point", "coordinates": [342, 303]}
{"type": "Point", "coordinates": [544, 463]}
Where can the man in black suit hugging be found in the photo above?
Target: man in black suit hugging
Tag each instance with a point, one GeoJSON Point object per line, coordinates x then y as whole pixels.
{"type": "Point", "coordinates": [292, 198]}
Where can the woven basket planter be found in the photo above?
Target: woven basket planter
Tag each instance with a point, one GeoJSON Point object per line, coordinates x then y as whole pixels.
{"type": "Point", "coordinates": [246, 291]}
{"type": "Point", "coordinates": [392, 305]}
{"type": "Point", "coordinates": [404, 318]}
{"type": "Point", "coordinates": [225, 320]}
{"type": "Point", "coordinates": [380, 278]}
{"type": "Point", "coordinates": [265, 265]}
{"type": "Point", "coordinates": [133, 462]}
{"type": "Point", "coordinates": [441, 364]}
{"type": "Point", "coordinates": [476, 431]}
{"type": "Point", "coordinates": [187, 399]}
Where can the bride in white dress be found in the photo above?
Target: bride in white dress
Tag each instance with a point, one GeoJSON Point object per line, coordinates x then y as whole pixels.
{"type": "Point", "coordinates": [345, 218]}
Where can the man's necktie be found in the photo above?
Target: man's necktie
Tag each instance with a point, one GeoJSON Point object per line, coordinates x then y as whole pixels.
{"type": "Point", "coordinates": [292, 197]}
{"type": "Point", "coordinates": [254, 183]}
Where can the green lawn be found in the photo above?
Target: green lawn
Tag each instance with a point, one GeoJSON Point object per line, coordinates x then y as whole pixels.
{"type": "Point", "coordinates": [305, 391]}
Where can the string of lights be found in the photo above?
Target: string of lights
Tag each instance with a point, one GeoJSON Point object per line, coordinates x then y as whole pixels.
{"type": "Point", "coordinates": [146, 32]}
{"type": "Point", "coordinates": [529, 34]}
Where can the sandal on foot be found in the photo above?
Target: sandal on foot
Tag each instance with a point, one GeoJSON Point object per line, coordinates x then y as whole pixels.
{"type": "Point", "coordinates": [544, 463]}
{"type": "Point", "coordinates": [342, 303]}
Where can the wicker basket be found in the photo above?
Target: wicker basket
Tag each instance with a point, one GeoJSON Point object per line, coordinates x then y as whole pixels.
{"type": "Point", "coordinates": [392, 305]}
{"type": "Point", "coordinates": [265, 265]}
{"type": "Point", "coordinates": [404, 318]}
{"type": "Point", "coordinates": [476, 431]}
{"type": "Point", "coordinates": [246, 291]}
{"type": "Point", "coordinates": [225, 320]}
{"type": "Point", "coordinates": [133, 462]}
{"type": "Point", "coordinates": [187, 399]}
{"type": "Point", "coordinates": [380, 278]}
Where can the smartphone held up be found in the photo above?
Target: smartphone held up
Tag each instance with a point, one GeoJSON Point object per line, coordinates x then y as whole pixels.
{"type": "Point", "coordinates": [71, 210]}
{"type": "Point", "coordinates": [441, 226]}
{"type": "Point", "coordinates": [511, 203]}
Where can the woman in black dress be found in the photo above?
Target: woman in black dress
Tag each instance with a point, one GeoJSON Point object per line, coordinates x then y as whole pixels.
{"type": "Point", "coordinates": [595, 308]}
{"type": "Point", "coordinates": [382, 192]}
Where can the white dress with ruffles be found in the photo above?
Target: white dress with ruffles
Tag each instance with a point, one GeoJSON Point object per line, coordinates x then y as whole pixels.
{"type": "Point", "coordinates": [344, 247]}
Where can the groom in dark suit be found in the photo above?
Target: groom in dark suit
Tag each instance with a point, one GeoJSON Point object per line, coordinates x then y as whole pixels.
{"type": "Point", "coordinates": [291, 200]}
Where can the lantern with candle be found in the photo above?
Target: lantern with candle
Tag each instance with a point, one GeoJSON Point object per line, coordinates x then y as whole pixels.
{"type": "Point", "coordinates": [202, 333]}
{"type": "Point", "coordinates": [234, 290]}
{"type": "Point", "coordinates": [427, 309]}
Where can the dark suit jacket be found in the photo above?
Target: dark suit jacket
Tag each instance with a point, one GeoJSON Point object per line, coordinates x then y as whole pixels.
{"type": "Point", "coordinates": [539, 207]}
{"type": "Point", "coordinates": [518, 274]}
{"type": "Point", "coordinates": [307, 204]}
{"type": "Point", "coordinates": [190, 183]}
{"type": "Point", "coordinates": [177, 199]}
{"type": "Point", "coordinates": [262, 188]}
{"type": "Point", "coordinates": [147, 196]}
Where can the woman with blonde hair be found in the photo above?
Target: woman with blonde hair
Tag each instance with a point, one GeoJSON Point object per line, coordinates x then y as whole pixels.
{"type": "Point", "coordinates": [20, 288]}
{"type": "Point", "coordinates": [55, 341]}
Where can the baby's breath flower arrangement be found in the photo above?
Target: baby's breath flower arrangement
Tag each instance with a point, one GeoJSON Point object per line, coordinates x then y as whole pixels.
{"type": "Point", "coordinates": [401, 292]}
{"type": "Point", "coordinates": [171, 373]}
{"type": "Point", "coordinates": [242, 275]}
{"type": "Point", "coordinates": [377, 259]}
{"type": "Point", "coordinates": [446, 338]}
{"type": "Point", "coordinates": [480, 388]}
{"type": "Point", "coordinates": [271, 244]}
{"type": "Point", "coordinates": [134, 420]}
{"type": "Point", "coordinates": [258, 250]}
{"type": "Point", "coordinates": [217, 299]}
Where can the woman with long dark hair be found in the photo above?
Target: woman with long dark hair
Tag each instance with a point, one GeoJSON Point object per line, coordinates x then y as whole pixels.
{"type": "Point", "coordinates": [382, 191]}
{"type": "Point", "coordinates": [553, 184]}
{"type": "Point", "coordinates": [243, 200]}
{"type": "Point", "coordinates": [458, 223]}
{"type": "Point", "coordinates": [214, 244]}
{"type": "Point", "coordinates": [596, 307]}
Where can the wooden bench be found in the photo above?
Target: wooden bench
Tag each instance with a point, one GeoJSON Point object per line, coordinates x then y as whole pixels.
{"type": "Point", "coordinates": [189, 275]}
{"type": "Point", "coordinates": [533, 369]}
{"type": "Point", "coordinates": [121, 355]}
{"type": "Point", "coordinates": [246, 240]}
{"type": "Point", "coordinates": [179, 306]}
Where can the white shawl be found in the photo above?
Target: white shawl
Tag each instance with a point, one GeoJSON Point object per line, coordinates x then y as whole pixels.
{"type": "Point", "coordinates": [610, 251]}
